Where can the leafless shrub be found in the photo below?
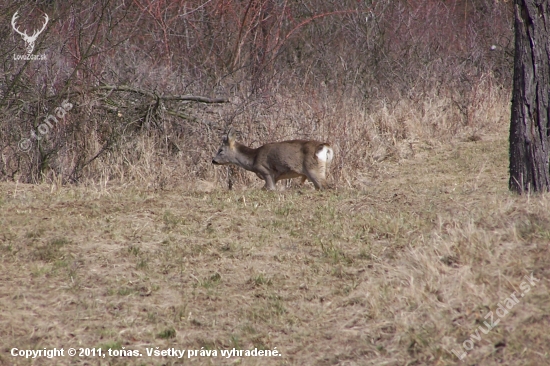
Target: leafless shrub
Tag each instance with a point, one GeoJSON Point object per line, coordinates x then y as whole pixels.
{"type": "Point", "coordinates": [375, 78]}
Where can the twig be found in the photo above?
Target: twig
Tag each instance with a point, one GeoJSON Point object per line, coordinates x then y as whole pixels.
{"type": "Point", "coordinates": [191, 98]}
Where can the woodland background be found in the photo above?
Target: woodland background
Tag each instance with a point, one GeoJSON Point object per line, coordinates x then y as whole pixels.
{"type": "Point", "coordinates": [379, 79]}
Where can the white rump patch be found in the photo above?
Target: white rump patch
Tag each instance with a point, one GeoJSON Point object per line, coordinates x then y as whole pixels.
{"type": "Point", "coordinates": [325, 154]}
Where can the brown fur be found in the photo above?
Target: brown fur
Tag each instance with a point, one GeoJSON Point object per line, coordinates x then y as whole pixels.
{"type": "Point", "coordinates": [279, 160]}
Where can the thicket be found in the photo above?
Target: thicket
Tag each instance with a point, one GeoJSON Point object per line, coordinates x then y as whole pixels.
{"type": "Point", "coordinates": [153, 84]}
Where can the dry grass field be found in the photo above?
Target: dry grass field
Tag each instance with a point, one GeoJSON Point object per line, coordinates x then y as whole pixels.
{"type": "Point", "coordinates": [401, 270]}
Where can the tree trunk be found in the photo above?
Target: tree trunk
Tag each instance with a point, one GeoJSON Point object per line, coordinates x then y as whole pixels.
{"type": "Point", "coordinates": [529, 125]}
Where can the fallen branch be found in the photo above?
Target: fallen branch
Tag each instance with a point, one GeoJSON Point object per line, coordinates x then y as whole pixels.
{"type": "Point", "coordinates": [190, 98]}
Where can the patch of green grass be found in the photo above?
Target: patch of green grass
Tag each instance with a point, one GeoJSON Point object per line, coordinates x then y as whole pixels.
{"type": "Point", "coordinates": [125, 291]}
{"type": "Point", "coordinates": [152, 317]}
{"type": "Point", "coordinates": [167, 333]}
{"type": "Point", "coordinates": [249, 329]}
{"type": "Point", "coordinates": [110, 345]}
{"type": "Point", "coordinates": [41, 270]}
{"type": "Point", "coordinates": [34, 233]}
{"type": "Point", "coordinates": [276, 305]}
{"type": "Point", "coordinates": [59, 242]}
{"type": "Point", "coordinates": [142, 264]}
{"type": "Point", "coordinates": [210, 229]}
{"type": "Point", "coordinates": [260, 280]}
{"type": "Point", "coordinates": [334, 254]}
{"type": "Point", "coordinates": [285, 210]}
{"type": "Point", "coordinates": [260, 343]}
{"type": "Point", "coordinates": [170, 221]}
{"type": "Point", "coordinates": [210, 282]}
{"type": "Point", "coordinates": [8, 248]}
{"type": "Point", "coordinates": [365, 254]}
{"type": "Point", "coordinates": [62, 263]}
{"type": "Point", "coordinates": [216, 277]}
{"type": "Point", "coordinates": [134, 250]}
{"type": "Point", "coordinates": [51, 251]}
{"type": "Point", "coordinates": [534, 226]}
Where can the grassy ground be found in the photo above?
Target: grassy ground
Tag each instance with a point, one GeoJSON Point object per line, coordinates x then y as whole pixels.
{"type": "Point", "coordinates": [399, 271]}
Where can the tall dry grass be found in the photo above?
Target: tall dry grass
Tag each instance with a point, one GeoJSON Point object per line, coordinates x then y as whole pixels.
{"type": "Point", "coordinates": [362, 133]}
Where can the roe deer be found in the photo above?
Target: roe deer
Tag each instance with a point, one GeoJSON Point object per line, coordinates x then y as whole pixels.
{"type": "Point", "coordinates": [279, 160]}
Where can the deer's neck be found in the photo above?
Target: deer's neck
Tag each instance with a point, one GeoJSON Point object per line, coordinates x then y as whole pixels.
{"type": "Point", "coordinates": [246, 156]}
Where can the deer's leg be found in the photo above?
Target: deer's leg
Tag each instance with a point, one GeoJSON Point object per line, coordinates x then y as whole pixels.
{"type": "Point", "coordinates": [269, 182]}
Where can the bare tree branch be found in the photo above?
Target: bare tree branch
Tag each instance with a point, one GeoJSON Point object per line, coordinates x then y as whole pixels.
{"type": "Point", "coordinates": [191, 98]}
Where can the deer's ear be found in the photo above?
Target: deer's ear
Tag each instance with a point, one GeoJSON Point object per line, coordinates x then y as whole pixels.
{"type": "Point", "coordinates": [230, 137]}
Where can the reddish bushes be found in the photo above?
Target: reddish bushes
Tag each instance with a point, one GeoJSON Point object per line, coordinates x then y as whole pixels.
{"type": "Point", "coordinates": [291, 69]}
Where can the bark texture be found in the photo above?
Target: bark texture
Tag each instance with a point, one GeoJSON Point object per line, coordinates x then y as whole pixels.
{"type": "Point", "coordinates": [529, 126]}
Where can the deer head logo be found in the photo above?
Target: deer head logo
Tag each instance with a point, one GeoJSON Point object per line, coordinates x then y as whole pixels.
{"type": "Point", "coordinates": [30, 40]}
